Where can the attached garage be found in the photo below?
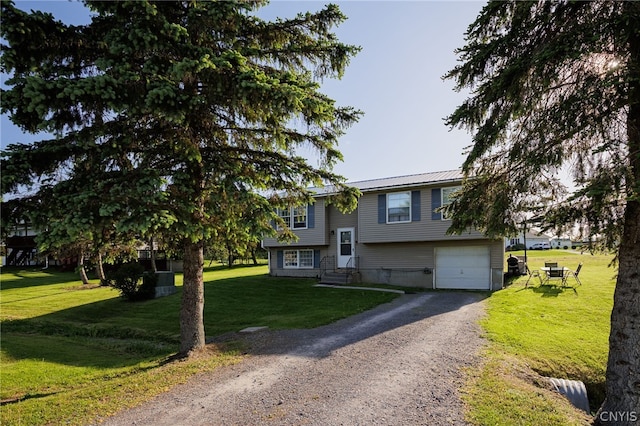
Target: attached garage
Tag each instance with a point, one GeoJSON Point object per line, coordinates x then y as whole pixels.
{"type": "Point", "coordinates": [467, 268]}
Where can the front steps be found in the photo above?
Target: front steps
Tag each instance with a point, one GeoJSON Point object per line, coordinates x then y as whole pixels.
{"type": "Point", "coordinates": [340, 277]}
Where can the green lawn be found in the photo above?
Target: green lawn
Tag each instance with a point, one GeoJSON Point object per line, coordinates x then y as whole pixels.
{"type": "Point", "coordinates": [544, 330]}
{"type": "Point", "coordinates": [71, 354]}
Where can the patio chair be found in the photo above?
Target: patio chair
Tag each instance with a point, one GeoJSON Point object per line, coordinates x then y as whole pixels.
{"type": "Point", "coordinates": [532, 274]}
{"type": "Point", "coordinates": [574, 274]}
{"type": "Point", "coordinates": [550, 264]}
{"type": "Point", "coordinates": [556, 273]}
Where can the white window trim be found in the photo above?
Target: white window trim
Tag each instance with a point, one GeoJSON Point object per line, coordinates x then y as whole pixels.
{"type": "Point", "coordinates": [279, 213]}
{"type": "Point", "coordinates": [410, 207]}
{"type": "Point", "coordinates": [284, 259]}
{"type": "Point", "coordinates": [297, 265]}
{"type": "Point", "coordinates": [306, 217]}
{"type": "Point", "coordinates": [291, 211]}
{"type": "Point", "coordinates": [449, 189]}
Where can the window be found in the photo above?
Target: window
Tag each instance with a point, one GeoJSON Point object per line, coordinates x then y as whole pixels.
{"type": "Point", "coordinates": [299, 215]}
{"type": "Point", "coordinates": [447, 197]}
{"type": "Point", "coordinates": [399, 207]}
{"type": "Point", "coordinates": [290, 258]}
{"type": "Point", "coordinates": [285, 215]}
{"type": "Point", "coordinates": [298, 259]}
{"type": "Point", "coordinates": [305, 258]}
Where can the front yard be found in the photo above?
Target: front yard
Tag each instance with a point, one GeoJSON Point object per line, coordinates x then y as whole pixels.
{"type": "Point", "coordinates": [72, 354]}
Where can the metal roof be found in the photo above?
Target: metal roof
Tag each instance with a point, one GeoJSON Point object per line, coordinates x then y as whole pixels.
{"type": "Point", "coordinates": [410, 180]}
{"type": "Point", "coordinates": [399, 181]}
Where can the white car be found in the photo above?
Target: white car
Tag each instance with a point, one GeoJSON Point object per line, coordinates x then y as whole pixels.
{"type": "Point", "coordinates": [541, 246]}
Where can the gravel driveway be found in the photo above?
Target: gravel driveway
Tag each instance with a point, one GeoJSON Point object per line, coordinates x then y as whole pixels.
{"type": "Point", "coordinates": [397, 364]}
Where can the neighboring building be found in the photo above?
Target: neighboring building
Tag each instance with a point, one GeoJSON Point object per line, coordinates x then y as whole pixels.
{"type": "Point", "coordinates": [532, 238]}
{"type": "Point", "coordinates": [395, 236]}
{"type": "Point", "coordinates": [561, 243]}
{"type": "Point", "coordinates": [20, 248]}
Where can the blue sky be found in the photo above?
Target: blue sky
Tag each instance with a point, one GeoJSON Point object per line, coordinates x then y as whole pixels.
{"type": "Point", "coordinates": [407, 46]}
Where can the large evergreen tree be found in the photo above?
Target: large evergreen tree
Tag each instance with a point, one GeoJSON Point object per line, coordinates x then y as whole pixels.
{"type": "Point", "coordinates": [158, 106]}
{"type": "Point", "coordinates": [556, 87]}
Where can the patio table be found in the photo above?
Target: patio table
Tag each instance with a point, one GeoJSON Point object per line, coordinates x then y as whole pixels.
{"type": "Point", "coordinates": [559, 272]}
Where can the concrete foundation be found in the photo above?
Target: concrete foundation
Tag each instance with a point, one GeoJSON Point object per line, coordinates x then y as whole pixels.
{"type": "Point", "coordinates": [166, 283]}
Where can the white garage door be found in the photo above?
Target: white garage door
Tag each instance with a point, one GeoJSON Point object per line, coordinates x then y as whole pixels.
{"type": "Point", "coordinates": [463, 268]}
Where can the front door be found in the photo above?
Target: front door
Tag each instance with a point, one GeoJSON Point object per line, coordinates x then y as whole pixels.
{"type": "Point", "coordinates": [346, 246]}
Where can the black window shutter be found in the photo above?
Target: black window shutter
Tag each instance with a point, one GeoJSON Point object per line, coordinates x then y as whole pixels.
{"type": "Point", "coordinates": [382, 208]}
{"type": "Point", "coordinates": [311, 216]}
{"type": "Point", "coordinates": [280, 259]}
{"type": "Point", "coordinates": [316, 258]}
{"type": "Point", "coordinates": [415, 206]}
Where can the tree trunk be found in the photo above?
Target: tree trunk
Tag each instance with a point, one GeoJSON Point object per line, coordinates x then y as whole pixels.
{"type": "Point", "coordinates": [230, 257]}
{"type": "Point", "coordinates": [622, 403]}
{"type": "Point", "coordinates": [253, 257]}
{"type": "Point", "coordinates": [192, 336]}
{"type": "Point", "coordinates": [81, 270]}
{"type": "Point", "coordinates": [154, 267]}
{"type": "Point", "coordinates": [100, 270]}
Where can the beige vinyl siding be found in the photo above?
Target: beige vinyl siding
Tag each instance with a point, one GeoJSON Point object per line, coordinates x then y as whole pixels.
{"type": "Point", "coordinates": [497, 254]}
{"type": "Point", "coordinates": [419, 254]}
{"type": "Point", "coordinates": [316, 236]}
{"type": "Point", "coordinates": [395, 255]}
{"type": "Point", "coordinates": [404, 264]}
{"type": "Point", "coordinates": [340, 220]}
{"type": "Point", "coordinates": [425, 229]}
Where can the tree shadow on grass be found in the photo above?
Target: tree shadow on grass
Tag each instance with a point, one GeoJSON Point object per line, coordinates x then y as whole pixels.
{"type": "Point", "coordinates": [20, 277]}
{"type": "Point", "coordinates": [111, 333]}
{"type": "Point", "coordinates": [553, 290]}
{"type": "Point", "coordinates": [549, 290]}
{"type": "Point", "coordinates": [510, 279]}
{"type": "Point", "coordinates": [128, 331]}
{"type": "Point", "coordinates": [212, 266]}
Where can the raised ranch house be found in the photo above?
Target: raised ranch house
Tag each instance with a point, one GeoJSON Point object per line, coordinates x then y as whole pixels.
{"type": "Point", "coordinates": [395, 236]}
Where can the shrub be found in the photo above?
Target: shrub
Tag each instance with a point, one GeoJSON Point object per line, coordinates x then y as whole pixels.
{"type": "Point", "coordinates": [127, 279]}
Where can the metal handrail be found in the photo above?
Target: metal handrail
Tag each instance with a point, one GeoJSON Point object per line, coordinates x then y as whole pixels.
{"type": "Point", "coordinates": [327, 262]}
{"type": "Point", "coordinates": [353, 264]}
